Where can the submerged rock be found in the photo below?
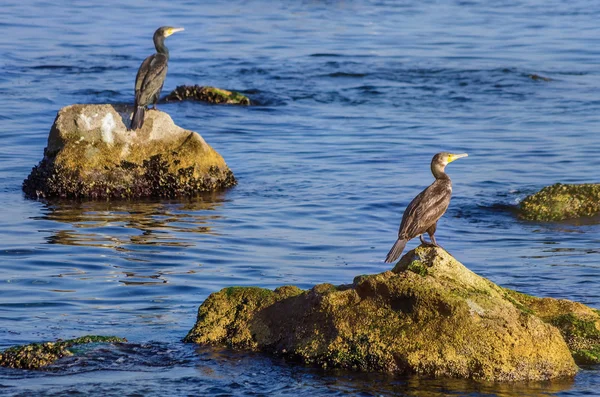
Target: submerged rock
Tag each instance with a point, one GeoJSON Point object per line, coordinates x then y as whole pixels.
{"type": "Point", "coordinates": [430, 315]}
{"type": "Point", "coordinates": [557, 202]}
{"type": "Point", "coordinates": [537, 77]}
{"type": "Point", "coordinates": [91, 154]}
{"type": "Point", "coordinates": [37, 355]}
{"type": "Point", "coordinates": [206, 94]}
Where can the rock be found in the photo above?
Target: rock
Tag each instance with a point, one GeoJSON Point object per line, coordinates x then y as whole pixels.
{"type": "Point", "coordinates": [91, 154]}
{"type": "Point", "coordinates": [538, 77]}
{"type": "Point", "coordinates": [557, 202]}
{"type": "Point", "coordinates": [430, 315]}
{"type": "Point", "coordinates": [206, 94]}
{"type": "Point", "coordinates": [38, 355]}
{"type": "Point", "coordinates": [578, 323]}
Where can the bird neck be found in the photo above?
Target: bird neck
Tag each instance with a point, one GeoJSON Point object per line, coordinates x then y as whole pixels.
{"type": "Point", "coordinates": [159, 43]}
{"type": "Point", "coordinates": [438, 171]}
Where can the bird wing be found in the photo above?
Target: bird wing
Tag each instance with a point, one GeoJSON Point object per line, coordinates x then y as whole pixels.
{"type": "Point", "coordinates": [425, 210]}
{"type": "Point", "coordinates": [156, 73]}
{"type": "Point", "coordinates": [153, 78]}
{"type": "Point", "coordinates": [142, 71]}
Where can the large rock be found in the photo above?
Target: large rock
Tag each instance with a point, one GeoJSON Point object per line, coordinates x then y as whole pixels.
{"type": "Point", "coordinates": [430, 315]}
{"type": "Point", "coordinates": [38, 355]}
{"type": "Point", "coordinates": [91, 153]}
{"type": "Point", "coordinates": [557, 202]}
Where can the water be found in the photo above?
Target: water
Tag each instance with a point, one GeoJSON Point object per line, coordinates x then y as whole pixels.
{"type": "Point", "coordinates": [352, 101]}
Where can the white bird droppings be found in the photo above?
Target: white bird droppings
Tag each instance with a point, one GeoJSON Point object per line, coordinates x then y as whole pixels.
{"type": "Point", "coordinates": [108, 125]}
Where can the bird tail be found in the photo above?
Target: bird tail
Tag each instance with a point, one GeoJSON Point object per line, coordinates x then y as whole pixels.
{"type": "Point", "coordinates": [395, 251]}
{"type": "Point", "coordinates": [138, 118]}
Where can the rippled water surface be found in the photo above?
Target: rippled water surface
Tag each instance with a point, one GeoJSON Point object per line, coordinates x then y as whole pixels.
{"type": "Point", "coordinates": [352, 99]}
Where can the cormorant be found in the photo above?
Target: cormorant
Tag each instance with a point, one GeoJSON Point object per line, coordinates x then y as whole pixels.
{"type": "Point", "coordinates": [427, 208]}
{"type": "Point", "coordinates": [151, 76]}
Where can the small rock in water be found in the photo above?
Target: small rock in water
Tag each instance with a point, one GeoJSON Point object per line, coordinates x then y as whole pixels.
{"type": "Point", "coordinates": [38, 355]}
{"type": "Point", "coordinates": [559, 201]}
{"type": "Point", "coordinates": [91, 154]}
{"type": "Point", "coordinates": [206, 94]}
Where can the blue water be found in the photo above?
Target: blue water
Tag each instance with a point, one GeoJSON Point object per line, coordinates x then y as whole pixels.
{"type": "Point", "coordinates": [352, 99]}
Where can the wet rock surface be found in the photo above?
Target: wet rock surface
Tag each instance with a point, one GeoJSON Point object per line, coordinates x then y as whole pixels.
{"type": "Point", "coordinates": [38, 355]}
{"type": "Point", "coordinates": [91, 154]}
{"type": "Point", "coordinates": [559, 201]}
{"type": "Point", "coordinates": [430, 315]}
{"type": "Point", "coordinates": [206, 94]}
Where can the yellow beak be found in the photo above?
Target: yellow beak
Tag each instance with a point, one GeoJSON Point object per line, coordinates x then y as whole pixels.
{"type": "Point", "coordinates": [173, 30]}
{"type": "Point", "coordinates": [452, 157]}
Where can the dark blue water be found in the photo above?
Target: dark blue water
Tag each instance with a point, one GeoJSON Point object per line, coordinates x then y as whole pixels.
{"type": "Point", "coordinates": [352, 99]}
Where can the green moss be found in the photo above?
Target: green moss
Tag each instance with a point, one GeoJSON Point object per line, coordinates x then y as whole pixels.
{"type": "Point", "coordinates": [418, 267]}
{"type": "Point", "coordinates": [256, 292]}
{"type": "Point", "coordinates": [38, 355]}
{"type": "Point", "coordinates": [511, 295]}
{"type": "Point", "coordinates": [587, 357]}
{"type": "Point", "coordinates": [559, 201]}
{"type": "Point", "coordinates": [582, 336]}
{"type": "Point", "coordinates": [572, 326]}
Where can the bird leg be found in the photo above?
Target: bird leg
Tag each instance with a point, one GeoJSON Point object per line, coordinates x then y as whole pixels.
{"type": "Point", "coordinates": [431, 232]}
{"type": "Point", "coordinates": [422, 239]}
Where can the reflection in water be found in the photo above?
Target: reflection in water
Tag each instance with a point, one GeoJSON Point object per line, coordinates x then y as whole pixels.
{"type": "Point", "coordinates": [186, 369]}
{"type": "Point", "coordinates": [220, 363]}
{"type": "Point", "coordinates": [120, 224]}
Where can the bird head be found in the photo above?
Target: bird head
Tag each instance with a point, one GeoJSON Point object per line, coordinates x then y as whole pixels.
{"type": "Point", "coordinates": [441, 160]}
{"type": "Point", "coordinates": [166, 31]}
{"type": "Point", "coordinates": [445, 158]}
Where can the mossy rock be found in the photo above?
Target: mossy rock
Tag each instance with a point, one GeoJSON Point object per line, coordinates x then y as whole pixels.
{"type": "Point", "coordinates": [430, 316]}
{"type": "Point", "coordinates": [578, 324]}
{"type": "Point", "coordinates": [91, 154]}
{"type": "Point", "coordinates": [38, 355]}
{"type": "Point", "coordinates": [557, 202]}
{"type": "Point", "coordinates": [206, 94]}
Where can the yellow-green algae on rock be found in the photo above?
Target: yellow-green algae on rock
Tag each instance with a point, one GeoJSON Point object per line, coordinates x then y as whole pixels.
{"type": "Point", "coordinates": [37, 355]}
{"type": "Point", "coordinates": [206, 94]}
{"type": "Point", "coordinates": [578, 323]}
{"type": "Point", "coordinates": [430, 315]}
{"type": "Point", "coordinates": [91, 154]}
{"type": "Point", "coordinates": [558, 201]}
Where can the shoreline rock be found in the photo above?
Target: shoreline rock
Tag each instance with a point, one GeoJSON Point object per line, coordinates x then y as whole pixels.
{"type": "Point", "coordinates": [559, 201]}
{"type": "Point", "coordinates": [206, 94]}
{"type": "Point", "coordinates": [38, 355]}
{"type": "Point", "coordinates": [91, 154]}
{"type": "Point", "coordinates": [430, 316]}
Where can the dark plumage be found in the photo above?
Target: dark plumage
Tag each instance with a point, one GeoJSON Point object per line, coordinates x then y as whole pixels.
{"type": "Point", "coordinates": [151, 76]}
{"type": "Point", "coordinates": [423, 212]}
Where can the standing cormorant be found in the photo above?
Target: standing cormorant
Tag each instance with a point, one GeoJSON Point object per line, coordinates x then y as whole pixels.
{"type": "Point", "coordinates": [427, 208]}
{"type": "Point", "coordinates": [151, 76]}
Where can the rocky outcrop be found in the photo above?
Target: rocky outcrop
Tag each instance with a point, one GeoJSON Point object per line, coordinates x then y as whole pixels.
{"type": "Point", "coordinates": [38, 355]}
{"type": "Point", "coordinates": [430, 315]}
{"type": "Point", "coordinates": [91, 154]}
{"type": "Point", "coordinates": [557, 202]}
{"type": "Point", "coordinates": [578, 323]}
{"type": "Point", "coordinates": [206, 94]}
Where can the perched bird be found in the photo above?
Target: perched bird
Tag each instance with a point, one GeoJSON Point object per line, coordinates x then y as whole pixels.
{"type": "Point", "coordinates": [427, 208]}
{"type": "Point", "coordinates": [151, 76]}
